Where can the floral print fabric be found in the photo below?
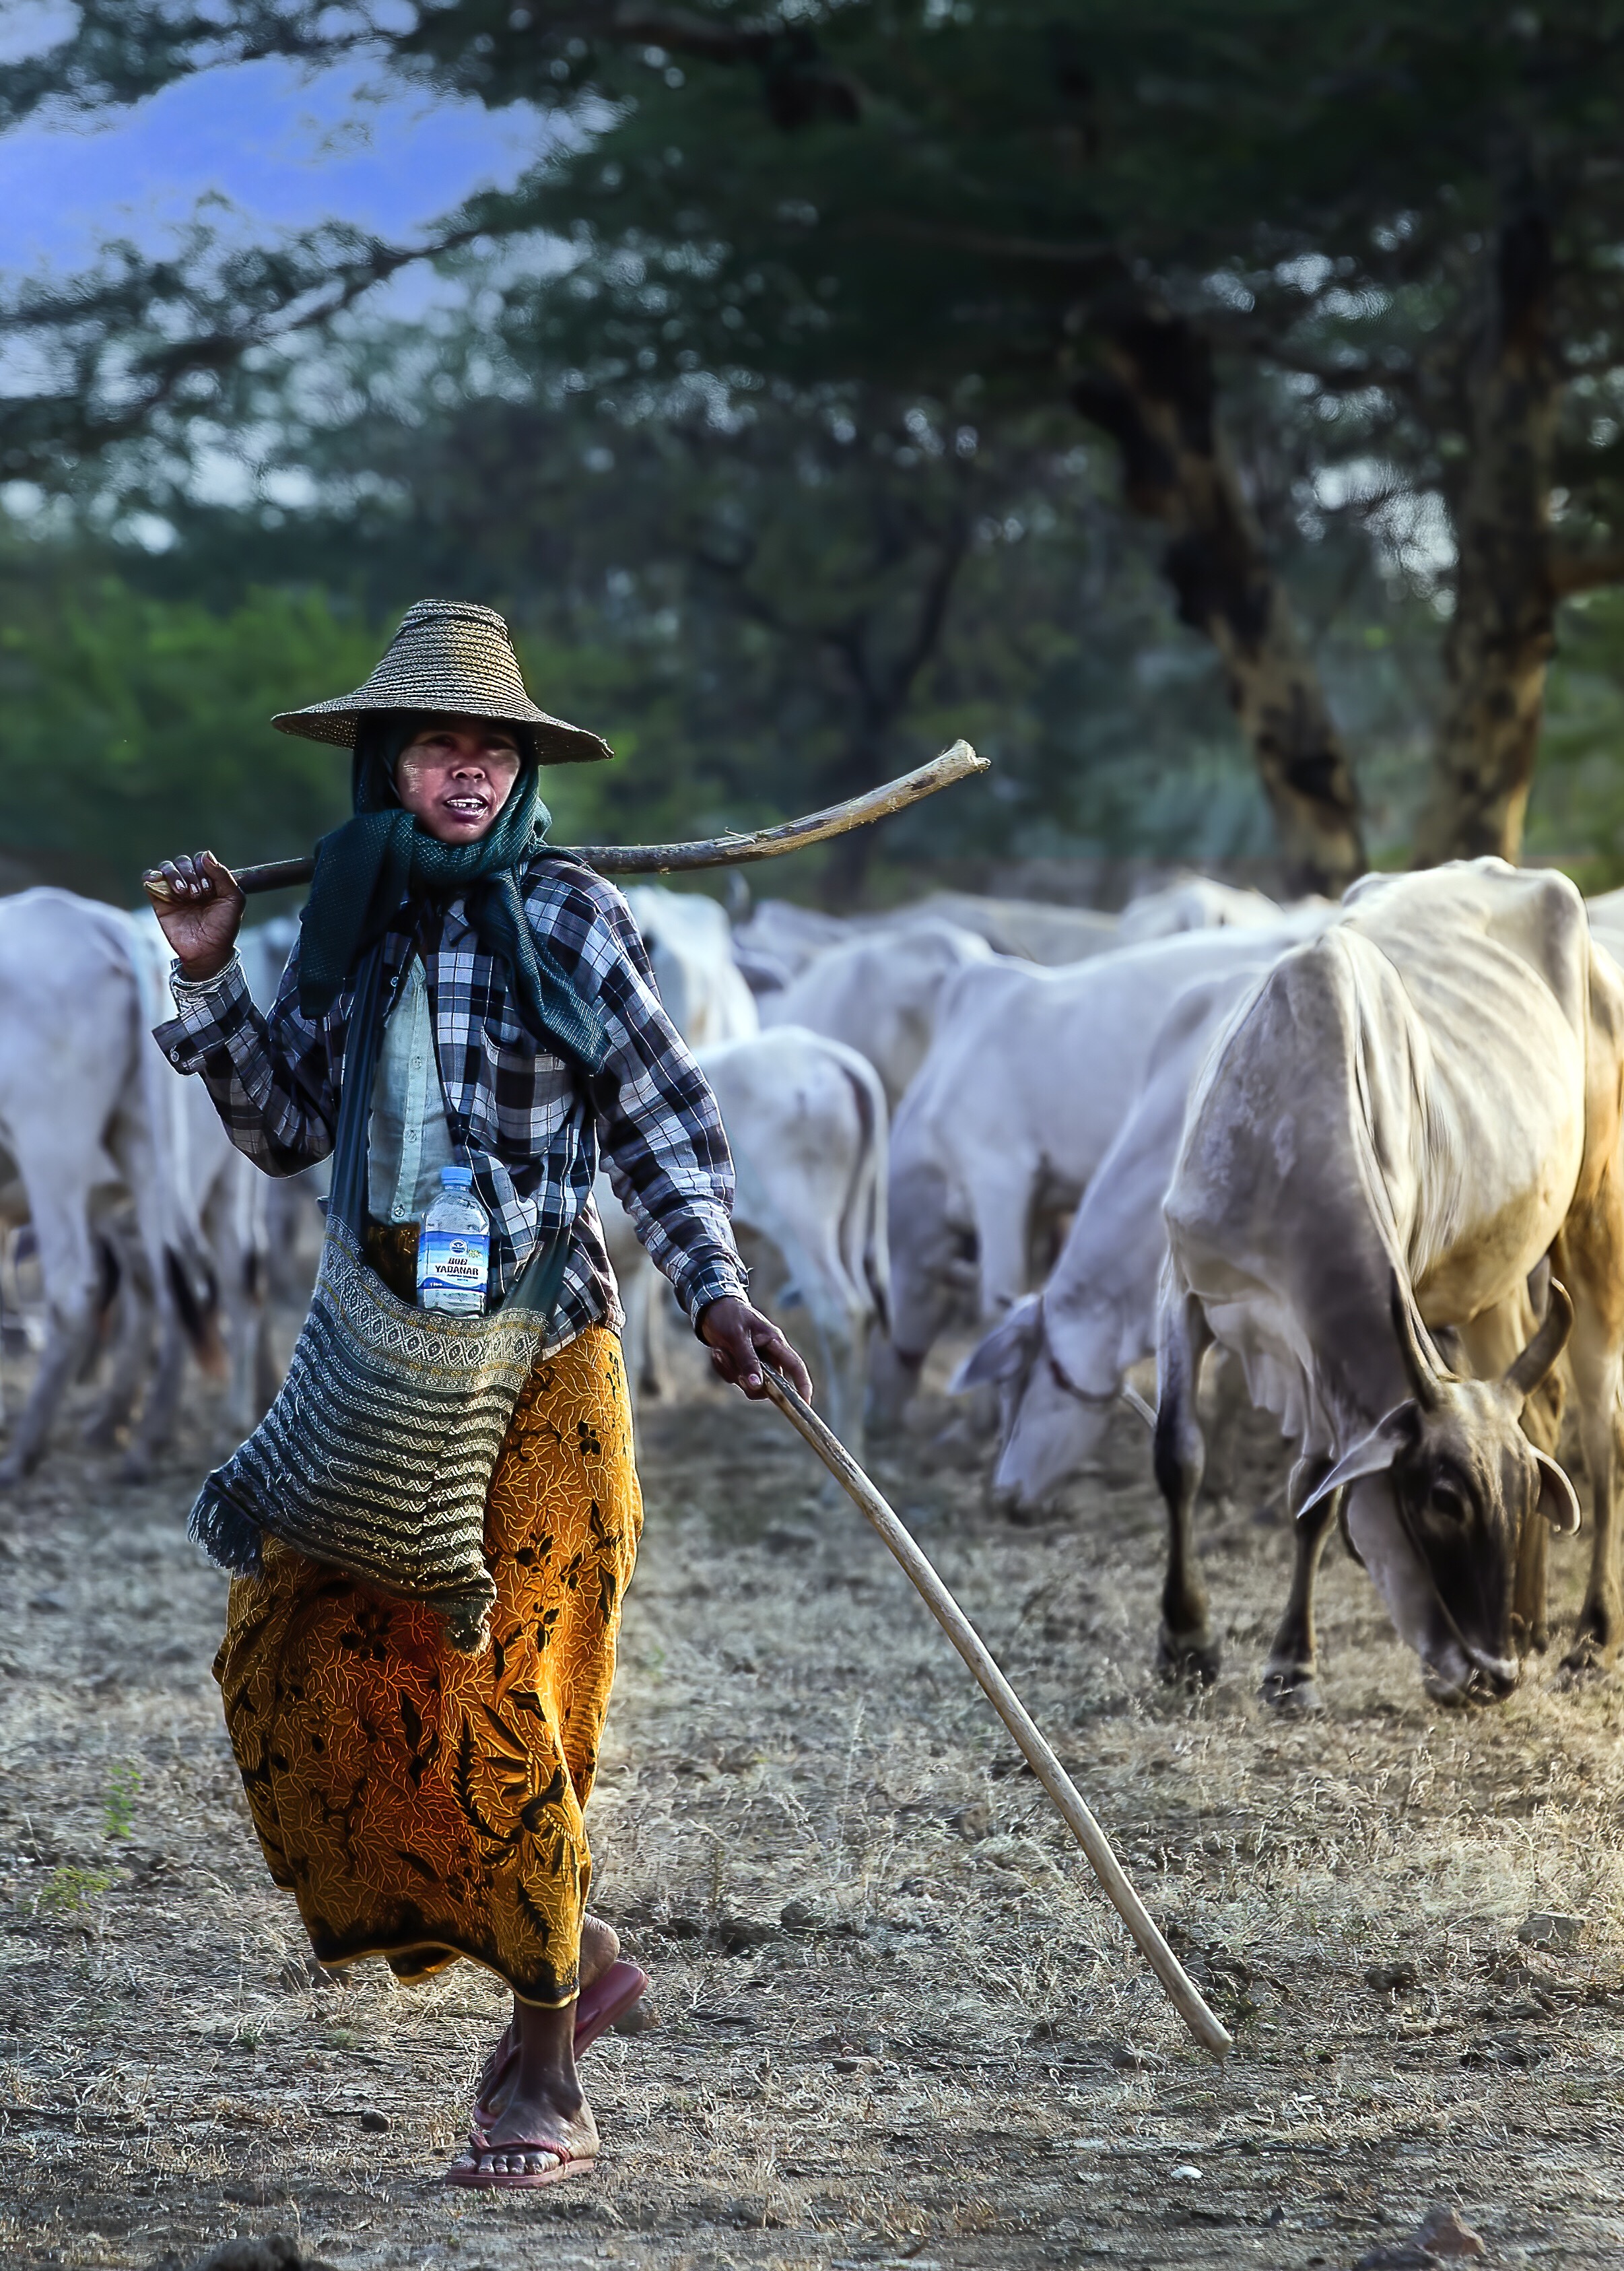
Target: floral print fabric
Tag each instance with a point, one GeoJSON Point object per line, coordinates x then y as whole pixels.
{"type": "Point", "coordinates": [423, 1805]}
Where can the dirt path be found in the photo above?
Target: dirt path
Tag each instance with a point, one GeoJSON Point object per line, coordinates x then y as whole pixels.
{"type": "Point", "coordinates": [899, 2025]}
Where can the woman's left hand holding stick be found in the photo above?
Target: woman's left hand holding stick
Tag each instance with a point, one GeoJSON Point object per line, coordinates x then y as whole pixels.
{"type": "Point", "coordinates": [199, 910]}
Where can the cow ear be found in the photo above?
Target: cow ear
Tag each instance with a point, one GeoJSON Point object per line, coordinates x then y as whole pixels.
{"type": "Point", "coordinates": [1372, 1455]}
{"type": "Point", "coordinates": [1558, 1501]}
{"type": "Point", "coordinates": [1004, 1353]}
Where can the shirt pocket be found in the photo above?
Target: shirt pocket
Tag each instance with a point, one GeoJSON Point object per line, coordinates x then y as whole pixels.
{"type": "Point", "coordinates": [523, 1093]}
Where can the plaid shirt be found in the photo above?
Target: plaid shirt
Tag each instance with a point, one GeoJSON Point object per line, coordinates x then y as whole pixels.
{"type": "Point", "coordinates": [529, 1125]}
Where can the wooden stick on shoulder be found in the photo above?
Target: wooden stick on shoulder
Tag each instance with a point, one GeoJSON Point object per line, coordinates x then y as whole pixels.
{"type": "Point", "coordinates": [958, 764]}
{"type": "Point", "coordinates": [1182, 1990]}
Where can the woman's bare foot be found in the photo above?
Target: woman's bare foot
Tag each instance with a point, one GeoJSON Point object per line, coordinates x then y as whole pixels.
{"type": "Point", "coordinates": [600, 1945]}
{"type": "Point", "coordinates": [544, 2104]}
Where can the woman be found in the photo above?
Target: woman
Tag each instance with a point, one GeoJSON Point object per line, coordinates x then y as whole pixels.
{"type": "Point", "coordinates": [422, 1804]}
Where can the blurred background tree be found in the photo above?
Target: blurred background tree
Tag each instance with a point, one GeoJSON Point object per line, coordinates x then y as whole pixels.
{"type": "Point", "coordinates": [838, 380]}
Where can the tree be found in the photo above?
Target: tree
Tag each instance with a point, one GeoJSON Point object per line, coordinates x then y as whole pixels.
{"type": "Point", "coordinates": [957, 256]}
{"type": "Point", "coordinates": [999, 211]}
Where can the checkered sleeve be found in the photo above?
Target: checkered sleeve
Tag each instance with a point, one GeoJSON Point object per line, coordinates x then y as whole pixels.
{"type": "Point", "coordinates": [271, 1078]}
{"type": "Point", "coordinates": [659, 1125]}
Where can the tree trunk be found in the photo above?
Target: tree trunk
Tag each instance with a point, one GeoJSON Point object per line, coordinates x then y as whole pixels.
{"type": "Point", "coordinates": [1153, 390]}
{"type": "Point", "coordinates": [1502, 635]}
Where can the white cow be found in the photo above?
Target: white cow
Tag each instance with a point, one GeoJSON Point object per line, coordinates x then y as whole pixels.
{"type": "Point", "coordinates": [1606, 920]}
{"type": "Point", "coordinates": [219, 1195]}
{"type": "Point", "coordinates": [1060, 1358]}
{"type": "Point", "coordinates": [880, 993]}
{"type": "Point", "coordinates": [1031, 930]}
{"type": "Point", "coordinates": [1031, 1075]}
{"type": "Point", "coordinates": [690, 946]}
{"type": "Point", "coordinates": [83, 1117]}
{"type": "Point", "coordinates": [783, 937]}
{"type": "Point", "coordinates": [1413, 1112]}
{"type": "Point", "coordinates": [807, 1123]}
{"type": "Point", "coordinates": [1195, 903]}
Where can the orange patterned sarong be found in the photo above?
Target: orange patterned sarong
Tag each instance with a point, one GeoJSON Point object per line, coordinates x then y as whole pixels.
{"type": "Point", "coordinates": [423, 1805]}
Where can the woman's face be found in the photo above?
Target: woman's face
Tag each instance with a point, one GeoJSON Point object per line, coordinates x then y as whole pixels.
{"type": "Point", "coordinates": [456, 776]}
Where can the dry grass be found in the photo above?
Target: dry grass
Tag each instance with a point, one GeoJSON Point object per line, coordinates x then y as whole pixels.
{"type": "Point", "coordinates": [950, 2057]}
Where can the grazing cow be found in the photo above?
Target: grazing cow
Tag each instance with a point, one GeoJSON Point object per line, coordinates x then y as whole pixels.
{"type": "Point", "coordinates": [1411, 1112]}
{"type": "Point", "coordinates": [805, 1122]}
{"type": "Point", "coordinates": [690, 948]}
{"type": "Point", "coordinates": [1195, 903]}
{"type": "Point", "coordinates": [1029, 930]}
{"type": "Point", "coordinates": [1060, 1358]}
{"type": "Point", "coordinates": [1030, 1076]}
{"type": "Point", "coordinates": [783, 938]}
{"type": "Point", "coordinates": [219, 1195]}
{"type": "Point", "coordinates": [879, 993]}
{"type": "Point", "coordinates": [82, 1116]}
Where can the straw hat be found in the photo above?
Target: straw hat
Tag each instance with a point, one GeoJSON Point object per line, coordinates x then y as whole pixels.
{"type": "Point", "coordinates": [458, 658]}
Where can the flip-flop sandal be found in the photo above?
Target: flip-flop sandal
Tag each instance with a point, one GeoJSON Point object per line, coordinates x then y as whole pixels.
{"type": "Point", "coordinates": [492, 2073]}
{"type": "Point", "coordinates": [609, 1997]}
{"type": "Point", "coordinates": [466, 2171]}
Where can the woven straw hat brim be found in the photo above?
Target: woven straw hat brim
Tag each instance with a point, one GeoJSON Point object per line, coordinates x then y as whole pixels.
{"type": "Point", "coordinates": [557, 741]}
{"type": "Point", "coordinates": [452, 658]}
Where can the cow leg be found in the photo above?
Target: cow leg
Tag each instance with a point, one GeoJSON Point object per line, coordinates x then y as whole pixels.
{"type": "Point", "coordinates": [1490, 1343]}
{"type": "Point", "coordinates": [1001, 1205]}
{"type": "Point", "coordinates": [68, 1342]}
{"type": "Point", "coordinates": [162, 1402]}
{"type": "Point", "coordinates": [1589, 1262]}
{"type": "Point", "coordinates": [1185, 1648]}
{"type": "Point", "coordinates": [71, 1272]}
{"type": "Point", "coordinates": [1288, 1680]}
{"type": "Point", "coordinates": [893, 1382]}
{"type": "Point", "coordinates": [232, 1229]}
{"type": "Point", "coordinates": [131, 1346]}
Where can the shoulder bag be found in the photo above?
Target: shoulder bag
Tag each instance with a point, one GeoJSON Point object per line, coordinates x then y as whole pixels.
{"type": "Point", "coordinates": [377, 1453]}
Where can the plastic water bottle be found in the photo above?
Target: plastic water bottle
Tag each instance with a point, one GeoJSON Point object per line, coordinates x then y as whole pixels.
{"type": "Point", "coordinates": [454, 1249]}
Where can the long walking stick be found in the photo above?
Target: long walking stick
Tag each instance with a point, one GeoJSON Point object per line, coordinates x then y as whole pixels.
{"type": "Point", "coordinates": [959, 763]}
{"type": "Point", "coordinates": [1182, 1990]}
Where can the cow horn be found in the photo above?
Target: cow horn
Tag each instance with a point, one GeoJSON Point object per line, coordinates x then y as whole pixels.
{"type": "Point", "coordinates": [1417, 1359]}
{"type": "Point", "coordinates": [1522, 1377]}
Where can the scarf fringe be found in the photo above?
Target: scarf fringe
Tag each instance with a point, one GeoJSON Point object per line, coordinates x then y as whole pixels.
{"type": "Point", "coordinates": [227, 1533]}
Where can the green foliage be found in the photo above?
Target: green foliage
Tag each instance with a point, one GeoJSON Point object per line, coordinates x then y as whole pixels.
{"type": "Point", "coordinates": [131, 728]}
{"type": "Point", "coordinates": [118, 1804]}
{"type": "Point", "coordinates": [68, 1892]}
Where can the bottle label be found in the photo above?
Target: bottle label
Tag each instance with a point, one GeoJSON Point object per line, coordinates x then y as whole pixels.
{"type": "Point", "coordinates": [454, 1268]}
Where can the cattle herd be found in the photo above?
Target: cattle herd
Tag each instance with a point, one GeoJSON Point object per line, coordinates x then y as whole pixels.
{"type": "Point", "coordinates": [1364, 1158]}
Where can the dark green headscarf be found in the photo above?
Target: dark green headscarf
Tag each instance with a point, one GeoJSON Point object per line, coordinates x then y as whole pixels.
{"type": "Point", "coordinates": [366, 869]}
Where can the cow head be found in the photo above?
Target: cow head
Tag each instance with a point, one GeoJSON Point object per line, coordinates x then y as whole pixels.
{"type": "Point", "coordinates": [1047, 1428]}
{"type": "Point", "coordinates": [1437, 1495]}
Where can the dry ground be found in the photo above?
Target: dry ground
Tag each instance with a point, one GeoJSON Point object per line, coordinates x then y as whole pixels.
{"type": "Point", "coordinates": [900, 2026]}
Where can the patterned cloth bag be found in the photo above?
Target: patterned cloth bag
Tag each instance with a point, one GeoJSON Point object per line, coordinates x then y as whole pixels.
{"type": "Point", "coordinates": [377, 1453]}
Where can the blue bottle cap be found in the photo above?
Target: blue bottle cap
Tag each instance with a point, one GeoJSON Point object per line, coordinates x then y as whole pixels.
{"type": "Point", "coordinates": [455, 1178]}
